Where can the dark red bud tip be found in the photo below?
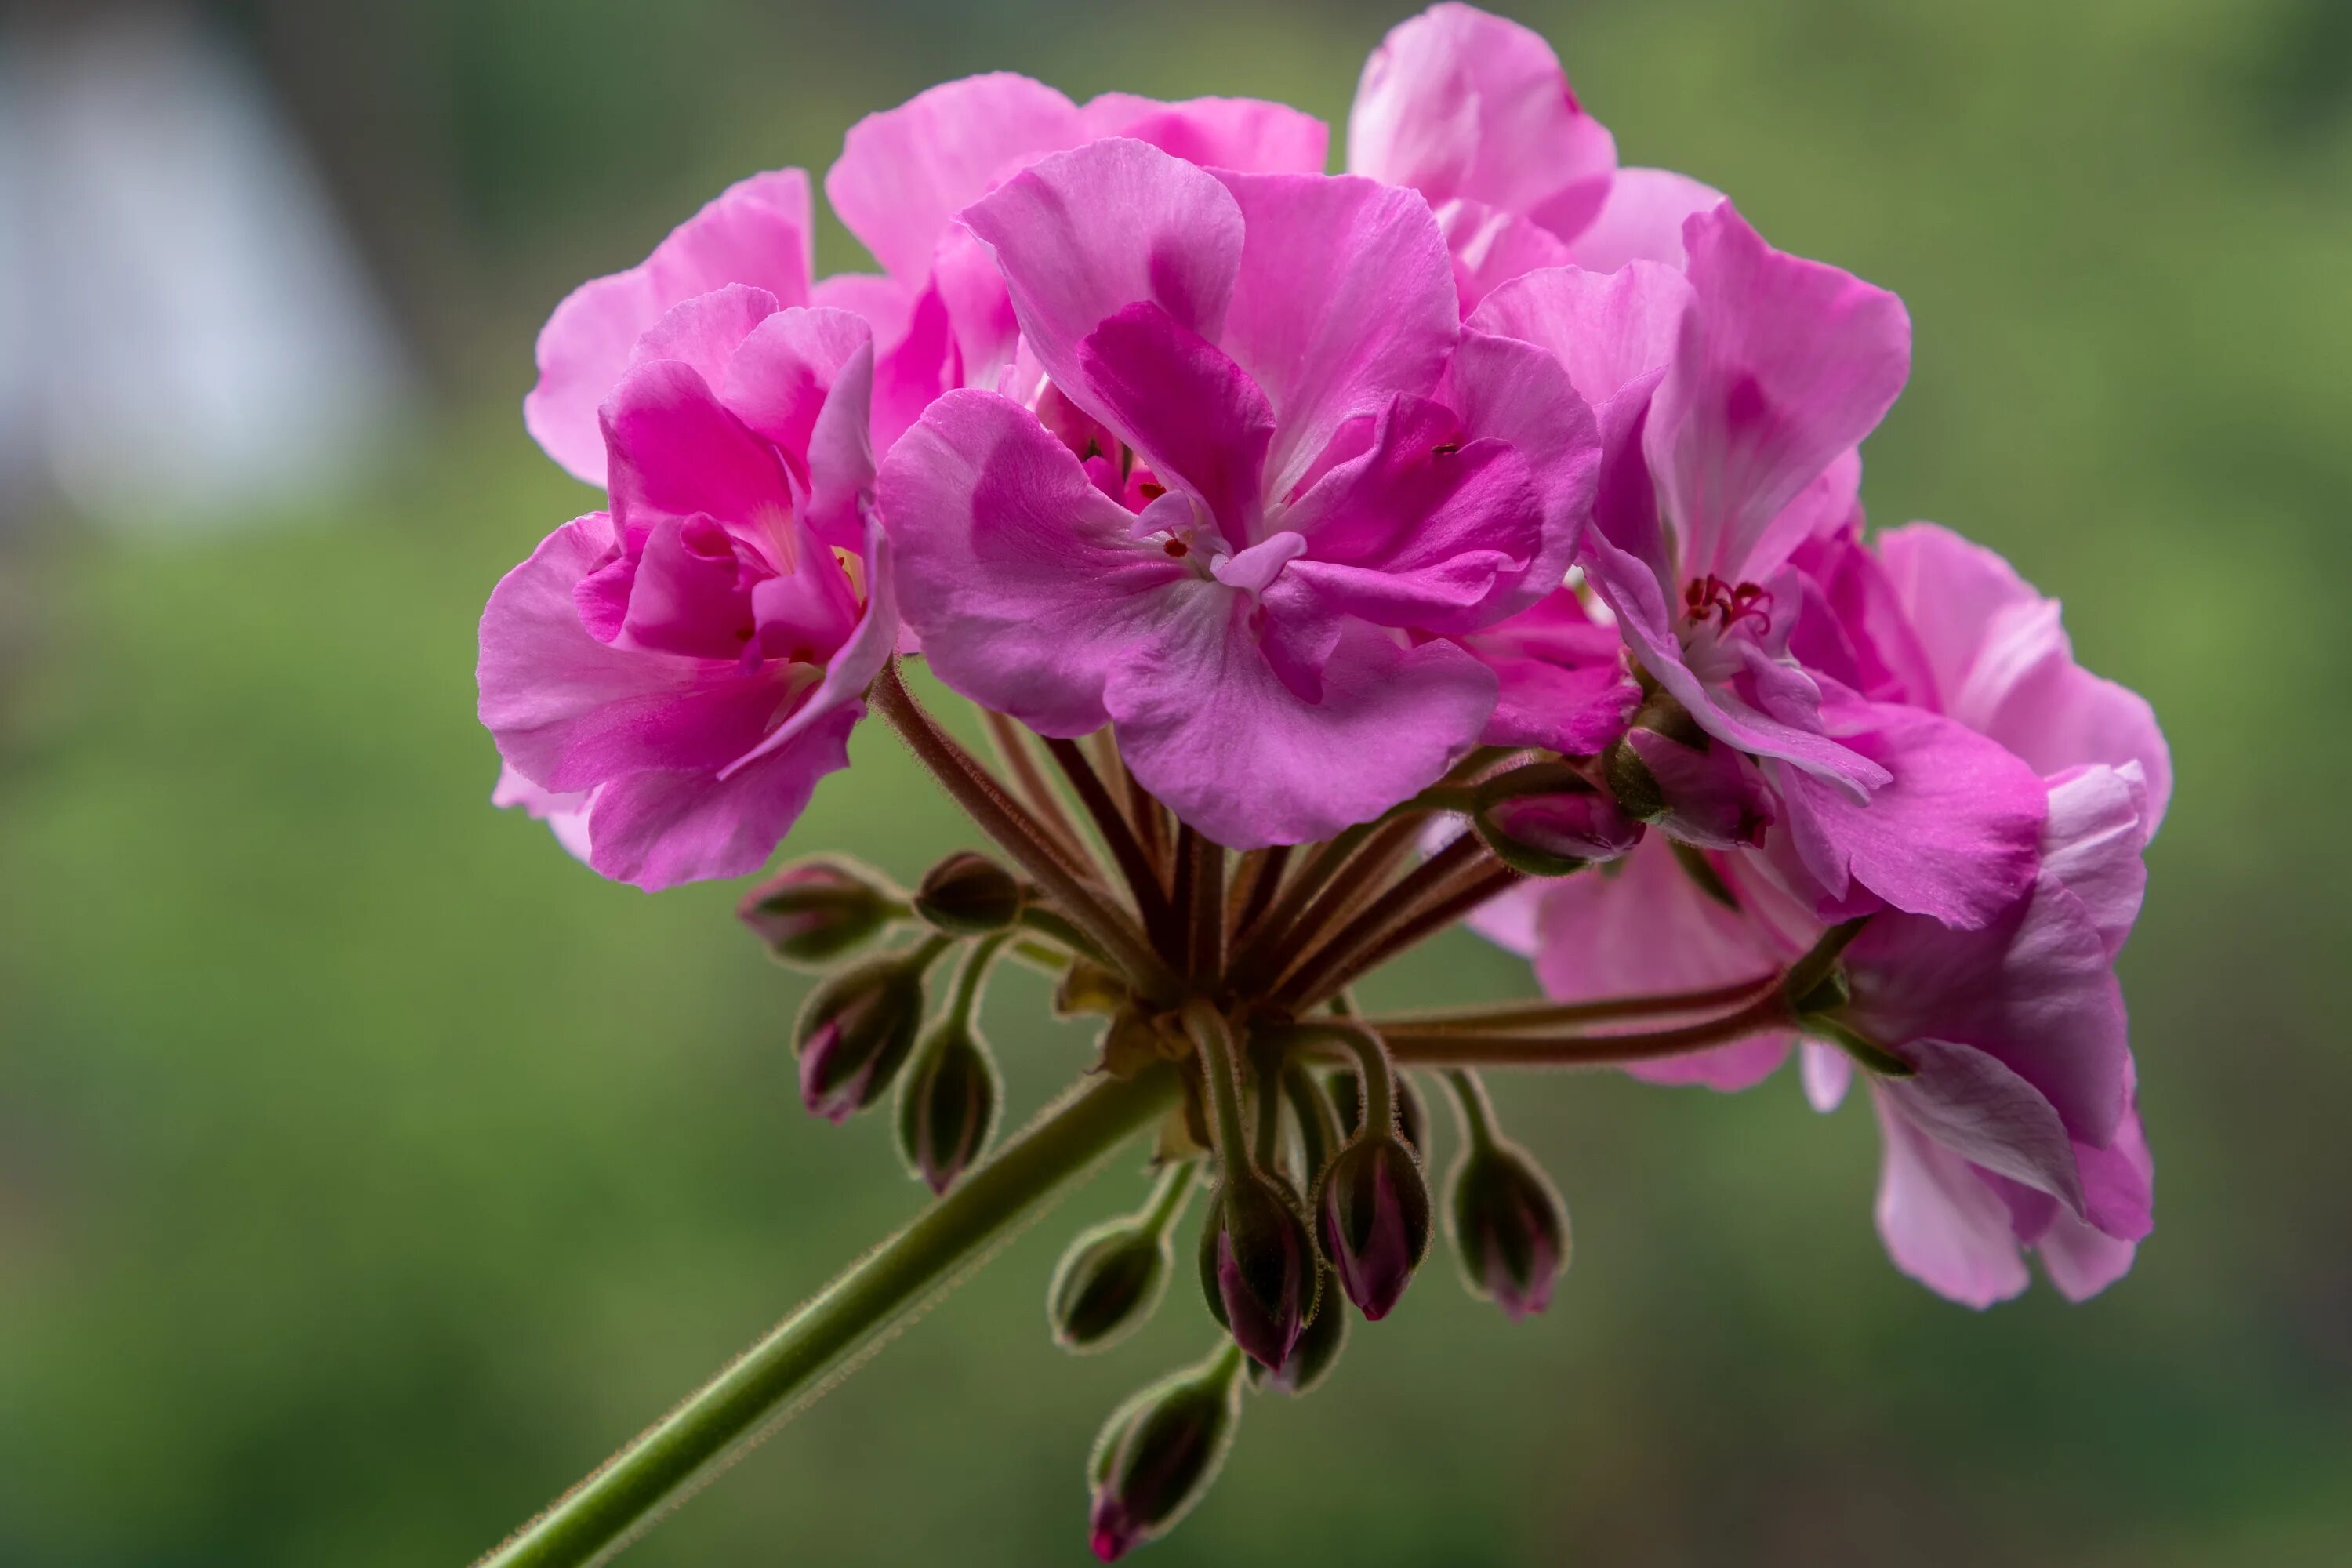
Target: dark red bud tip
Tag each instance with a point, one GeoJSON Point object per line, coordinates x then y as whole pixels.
{"type": "Point", "coordinates": [1111, 1534]}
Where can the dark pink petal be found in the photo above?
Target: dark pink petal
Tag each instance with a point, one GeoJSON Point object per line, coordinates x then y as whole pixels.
{"type": "Point", "coordinates": [677, 452]}
{"type": "Point", "coordinates": [2084, 1256]}
{"type": "Point", "coordinates": [2032, 990]}
{"type": "Point", "coordinates": [1642, 220]}
{"type": "Point", "coordinates": [1564, 682]}
{"type": "Point", "coordinates": [1025, 581]}
{"type": "Point", "coordinates": [1943, 1226]}
{"type": "Point", "coordinates": [1210, 729]}
{"type": "Point", "coordinates": [1783, 364]}
{"type": "Point", "coordinates": [1190, 411]}
{"type": "Point", "coordinates": [1520, 393]}
{"type": "Point", "coordinates": [1971, 1104]}
{"type": "Point", "coordinates": [1456, 102]}
{"type": "Point", "coordinates": [689, 595]}
{"type": "Point", "coordinates": [904, 173]}
{"type": "Point", "coordinates": [1954, 835]}
{"type": "Point", "coordinates": [755, 232]}
{"type": "Point", "coordinates": [804, 381]}
{"type": "Point", "coordinates": [849, 667]}
{"type": "Point", "coordinates": [2002, 663]}
{"type": "Point", "coordinates": [1343, 298]}
{"type": "Point", "coordinates": [1246, 133]}
{"type": "Point", "coordinates": [1714, 798]}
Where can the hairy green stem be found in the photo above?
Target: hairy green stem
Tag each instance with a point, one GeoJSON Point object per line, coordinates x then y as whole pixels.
{"type": "Point", "coordinates": [824, 1340]}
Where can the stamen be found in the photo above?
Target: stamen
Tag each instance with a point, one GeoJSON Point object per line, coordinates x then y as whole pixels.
{"type": "Point", "coordinates": [1150, 491]}
{"type": "Point", "coordinates": [1176, 548]}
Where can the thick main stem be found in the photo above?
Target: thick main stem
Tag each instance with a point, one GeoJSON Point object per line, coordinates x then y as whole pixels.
{"type": "Point", "coordinates": [1588, 1050]}
{"type": "Point", "coordinates": [801, 1357]}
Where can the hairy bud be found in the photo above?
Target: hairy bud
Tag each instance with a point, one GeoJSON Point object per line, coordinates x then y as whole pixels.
{"type": "Point", "coordinates": [1107, 1284]}
{"type": "Point", "coordinates": [1554, 834]}
{"type": "Point", "coordinates": [968, 894]}
{"type": "Point", "coordinates": [857, 1031]}
{"type": "Point", "coordinates": [1158, 1454]}
{"type": "Point", "coordinates": [947, 1104]}
{"type": "Point", "coordinates": [1311, 1359]}
{"type": "Point", "coordinates": [1258, 1268]}
{"type": "Point", "coordinates": [1510, 1228]}
{"type": "Point", "coordinates": [1372, 1207]}
{"type": "Point", "coordinates": [816, 911]}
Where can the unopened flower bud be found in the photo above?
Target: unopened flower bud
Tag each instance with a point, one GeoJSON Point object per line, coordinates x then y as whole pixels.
{"type": "Point", "coordinates": [857, 1031]}
{"type": "Point", "coordinates": [818, 910]}
{"type": "Point", "coordinates": [1510, 1228]}
{"type": "Point", "coordinates": [1372, 1208]}
{"type": "Point", "coordinates": [1107, 1284]}
{"type": "Point", "coordinates": [968, 894]}
{"type": "Point", "coordinates": [1257, 1265]}
{"type": "Point", "coordinates": [1317, 1350]}
{"type": "Point", "coordinates": [1159, 1452]}
{"type": "Point", "coordinates": [1554, 834]}
{"type": "Point", "coordinates": [1412, 1116]}
{"type": "Point", "coordinates": [948, 1105]}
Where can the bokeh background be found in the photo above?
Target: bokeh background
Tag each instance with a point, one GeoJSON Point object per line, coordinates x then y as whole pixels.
{"type": "Point", "coordinates": [368, 1169]}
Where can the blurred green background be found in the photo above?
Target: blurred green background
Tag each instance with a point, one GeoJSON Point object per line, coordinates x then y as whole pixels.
{"type": "Point", "coordinates": [369, 1170]}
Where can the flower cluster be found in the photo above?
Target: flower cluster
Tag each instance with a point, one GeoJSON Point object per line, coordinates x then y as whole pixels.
{"type": "Point", "coordinates": [1473, 535]}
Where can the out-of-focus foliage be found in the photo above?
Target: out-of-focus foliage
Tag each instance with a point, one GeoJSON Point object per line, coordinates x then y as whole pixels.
{"type": "Point", "coordinates": [368, 1169]}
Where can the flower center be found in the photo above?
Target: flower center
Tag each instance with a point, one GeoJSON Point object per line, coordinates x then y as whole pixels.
{"type": "Point", "coordinates": [1711, 598]}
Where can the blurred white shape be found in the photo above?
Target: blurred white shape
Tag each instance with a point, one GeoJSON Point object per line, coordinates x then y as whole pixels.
{"type": "Point", "coordinates": [186, 331]}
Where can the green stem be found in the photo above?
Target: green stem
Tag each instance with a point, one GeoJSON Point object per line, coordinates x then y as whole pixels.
{"type": "Point", "coordinates": [1169, 1197]}
{"type": "Point", "coordinates": [1476, 1112]}
{"type": "Point", "coordinates": [828, 1335]}
{"type": "Point", "coordinates": [1373, 1068]}
{"type": "Point", "coordinates": [1221, 1074]}
{"type": "Point", "coordinates": [973, 973]}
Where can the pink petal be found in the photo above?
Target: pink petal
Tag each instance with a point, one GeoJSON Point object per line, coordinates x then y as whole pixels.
{"type": "Point", "coordinates": [904, 173]}
{"type": "Point", "coordinates": [1642, 220]}
{"type": "Point", "coordinates": [1643, 925]}
{"type": "Point", "coordinates": [1087, 232]}
{"type": "Point", "coordinates": [705, 331]}
{"type": "Point", "coordinates": [1244, 133]}
{"type": "Point", "coordinates": [1192, 413]}
{"type": "Point", "coordinates": [1023, 580]}
{"type": "Point", "coordinates": [1210, 729]}
{"type": "Point", "coordinates": [1955, 835]}
{"type": "Point", "coordinates": [1826, 1072]}
{"type": "Point", "coordinates": [689, 594]}
{"type": "Point", "coordinates": [805, 380]}
{"type": "Point", "coordinates": [1456, 102]}
{"type": "Point", "coordinates": [1491, 246]}
{"type": "Point", "coordinates": [1564, 684]}
{"type": "Point", "coordinates": [1518, 392]}
{"type": "Point", "coordinates": [1943, 1226]}
{"type": "Point", "coordinates": [677, 452]}
{"type": "Point", "coordinates": [1972, 1105]}
{"type": "Point", "coordinates": [2032, 990]}
{"type": "Point", "coordinates": [755, 232]}
{"type": "Point", "coordinates": [1783, 364]}
{"type": "Point", "coordinates": [566, 815]}
{"type": "Point", "coordinates": [2002, 665]}
{"type": "Point", "coordinates": [2098, 823]}
{"type": "Point", "coordinates": [1343, 298]}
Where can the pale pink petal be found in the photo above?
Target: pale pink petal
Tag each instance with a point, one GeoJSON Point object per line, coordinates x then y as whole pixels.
{"type": "Point", "coordinates": [1642, 220]}
{"type": "Point", "coordinates": [1210, 728]}
{"type": "Point", "coordinates": [904, 173]}
{"type": "Point", "coordinates": [2098, 823]}
{"type": "Point", "coordinates": [1826, 1072]}
{"type": "Point", "coordinates": [1491, 246]}
{"type": "Point", "coordinates": [706, 331]}
{"type": "Point", "coordinates": [1941, 1225]}
{"type": "Point", "coordinates": [1971, 1104]}
{"type": "Point", "coordinates": [566, 815]}
{"type": "Point", "coordinates": [1955, 834]}
{"type": "Point", "coordinates": [1644, 925]}
{"type": "Point", "coordinates": [1343, 298]}
{"type": "Point", "coordinates": [2002, 665]}
{"type": "Point", "coordinates": [1087, 232]}
{"type": "Point", "coordinates": [1457, 102]}
{"type": "Point", "coordinates": [1024, 580]}
{"type": "Point", "coordinates": [1246, 133]}
{"type": "Point", "coordinates": [755, 232]}
{"type": "Point", "coordinates": [1783, 364]}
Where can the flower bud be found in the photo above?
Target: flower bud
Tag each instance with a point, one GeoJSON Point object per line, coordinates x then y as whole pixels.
{"type": "Point", "coordinates": [1257, 1265]}
{"type": "Point", "coordinates": [855, 1033]}
{"type": "Point", "coordinates": [1372, 1208]}
{"type": "Point", "coordinates": [1311, 1359]}
{"type": "Point", "coordinates": [818, 910]}
{"type": "Point", "coordinates": [1412, 1117]}
{"type": "Point", "coordinates": [1159, 1452]}
{"type": "Point", "coordinates": [947, 1104]}
{"type": "Point", "coordinates": [1510, 1228]}
{"type": "Point", "coordinates": [1107, 1284]}
{"type": "Point", "coordinates": [969, 894]}
{"type": "Point", "coordinates": [1554, 834]}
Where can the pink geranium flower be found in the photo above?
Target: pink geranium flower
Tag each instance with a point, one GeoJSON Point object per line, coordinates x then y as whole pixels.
{"type": "Point", "coordinates": [1335, 466]}
{"type": "Point", "coordinates": [1474, 112]}
{"type": "Point", "coordinates": [668, 680]}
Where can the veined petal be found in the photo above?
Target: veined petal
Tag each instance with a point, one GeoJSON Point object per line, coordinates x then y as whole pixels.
{"type": "Point", "coordinates": [1642, 220]}
{"type": "Point", "coordinates": [1246, 133]}
{"type": "Point", "coordinates": [1943, 1226]}
{"type": "Point", "coordinates": [1973, 1105]}
{"type": "Point", "coordinates": [676, 451]}
{"type": "Point", "coordinates": [803, 379]}
{"type": "Point", "coordinates": [1193, 413]}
